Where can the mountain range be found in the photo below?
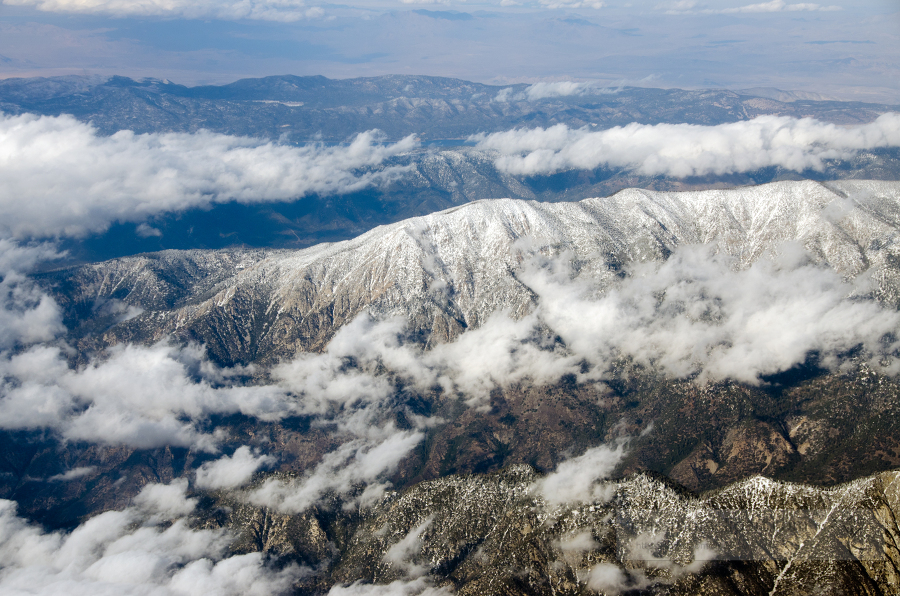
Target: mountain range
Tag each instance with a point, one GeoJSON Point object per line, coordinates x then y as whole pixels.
{"type": "Point", "coordinates": [453, 376]}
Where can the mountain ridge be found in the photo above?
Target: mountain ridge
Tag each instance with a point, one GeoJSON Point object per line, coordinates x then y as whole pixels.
{"type": "Point", "coordinates": [398, 263]}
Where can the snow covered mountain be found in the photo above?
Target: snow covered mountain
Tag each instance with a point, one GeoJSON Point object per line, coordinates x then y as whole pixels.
{"type": "Point", "coordinates": [452, 270]}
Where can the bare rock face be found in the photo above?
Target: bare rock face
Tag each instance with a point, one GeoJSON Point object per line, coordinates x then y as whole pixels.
{"type": "Point", "coordinates": [447, 272]}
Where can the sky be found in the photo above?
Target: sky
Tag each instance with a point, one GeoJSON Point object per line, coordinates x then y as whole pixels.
{"type": "Point", "coordinates": [836, 48]}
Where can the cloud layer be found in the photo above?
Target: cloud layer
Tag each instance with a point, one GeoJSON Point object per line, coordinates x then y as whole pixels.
{"type": "Point", "coordinates": [59, 177]}
{"type": "Point", "coordinates": [27, 315]}
{"type": "Point", "coordinates": [692, 6]}
{"type": "Point", "coordinates": [229, 472]}
{"type": "Point", "coordinates": [130, 553]}
{"type": "Point", "coordinates": [695, 315]}
{"type": "Point", "coordinates": [266, 10]}
{"type": "Point", "coordinates": [140, 396]}
{"type": "Point", "coordinates": [358, 465]}
{"type": "Point", "coordinates": [544, 90]}
{"type": "Point", "coordinates": [688, 150]}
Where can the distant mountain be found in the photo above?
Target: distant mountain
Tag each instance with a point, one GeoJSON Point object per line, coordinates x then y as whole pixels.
{"type": "Point", "coordinates": [301, 109]}
{"type": "Point", "coordinates": [438, 179]}
{"type": "Point", "coordinates": [442, 112]}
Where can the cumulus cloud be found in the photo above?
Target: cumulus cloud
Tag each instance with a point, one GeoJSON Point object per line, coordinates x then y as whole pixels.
{"type": "Point", "coordinates": [578, 543]}
{"type": "Point", "coordinates": [544, 90]}
{"type": "Point", "coordinates": [355, 464]}
{"type": "Point", "coordinates": [326, 382]}
{"type": "Point", "coordinates": [691, 6]}
{"type": "Point", "coordinates": [686, 149]}
{"type": "Point", "coordinates": [697, 314]}
{"type": "Point", "coordinates": [125, 552]}
{"type": "Point", "coordinates": [168, 501]}
{"type": "Point", "coordinates": [143, 396]}
{"type": "Point", "coordinates": [73, 474]}
{"type": "Point", "coordinates": [229, 472]}
{"type": "Point", "coordinates": [609, 578]}
{"type": "Point", "coordinates": [59, 177]}
{"type": "Point", "coordinates": [580, 479]}
{"type": "Point", "coordinates": [778, 6]}
{"type": "Point", "coordinates": [403, 553]}
{"type": "Point", "coordinates": [27, 315]}
{"type": "Point", "coordinates": [417, 587]}
{"type": "Point", "coordinates": [500, 352]}
{"type": "Point", "coordinates": [266, 10]}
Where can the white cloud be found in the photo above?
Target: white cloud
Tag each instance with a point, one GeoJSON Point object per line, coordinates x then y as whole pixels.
{"type": "Point", "coordinates": [691, 6]}
{"type": "Point", "coordinates": [686, 149]}
{"type": "Point", "coordinates": [580, 479]}
{"type": "Point", "coordinates": [59, 177]}
{"type": "Point", "coordinates": [543, 90]}
{"type": "Point", "coordinates": [266, 10]}
{"type": "Point", "coordinates": [579, 542]}
{"type": "Point", "coordinates": [73, 474]}
{"type": "Point", "coordinates": [677, 6]}
{"type": "Point", "coordinates": [167, 501]}
{"type": "Point", "coordinates": [402, 554]}
{"type": "Point", "coordinates": [27, 315]}
{"type": "Point", "coordinates": [229, 472]}
{"type": "Point", "coordinates": [501, 352]}
{"type": "Point", "coordinates": [417, 587]}
{"type": "Point", "coordinates": [125, 553]}
{"type": "Point", "coordinates": [778, 6]}
{"type": "Point", "coordinates": [608, 578]}
{"type": "Point", "coordinates": [697, 314]}
{"type": "Point", "coordinates": [354, 464]}
{"type": "Point", "coordinates": [571, 4]}
{"type": "Point", "coordinates": [641, 550]}
{"type": "Point", "coordinates": [140, 396]}
{"type": "Point", "coordinates": [145, 231]}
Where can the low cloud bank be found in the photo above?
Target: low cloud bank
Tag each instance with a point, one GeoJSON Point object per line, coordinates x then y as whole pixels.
{"type": "Point", "coordinates": [229, 472]}
{"type": "Point", "coordinates": [27, 315]}
{"type": "Point", "coordinates": [682, 150]}
{"type": "Point", "coordinates": [142, 396]}
{"type": "Point", "coordinates": [265, 10]}
{"type": "Point", "coordinates": [580, 479]}
{"type": "Point", "coordinates": [548, 89]}
{"type": "Point", "coordinates": [694, 7]}
{"type": "Point", "coordinates": [59, 177]}
{"type": "Point", "coordinates": [132, 552]}
{"type": "Point", "coordinates": [416, 587]}
{"type": "Point", "coordinates": [695, 315]}
{"type": "Point", "coordinates": [643, 552]}
{"type": "Point", "coordinates": [358, 464]}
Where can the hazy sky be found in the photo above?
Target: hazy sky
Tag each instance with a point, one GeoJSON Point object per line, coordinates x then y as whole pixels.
{"type": "Point", "coordinates": [847, 50]}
